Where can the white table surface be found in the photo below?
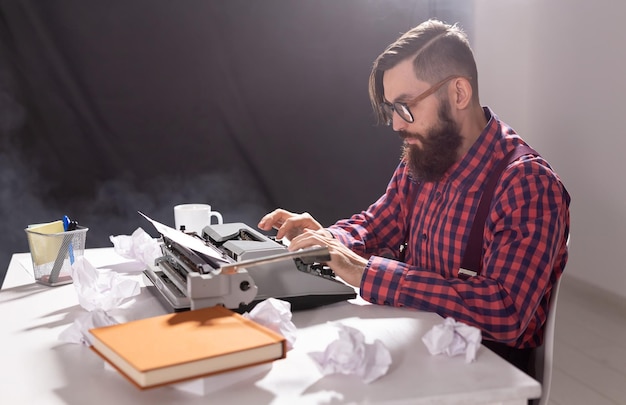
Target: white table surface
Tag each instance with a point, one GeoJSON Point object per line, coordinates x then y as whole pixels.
{"type": "Point", "coordinates": [37, 368]}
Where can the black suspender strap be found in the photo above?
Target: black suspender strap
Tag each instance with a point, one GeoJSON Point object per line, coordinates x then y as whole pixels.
{"type": "Point", "coordinates": [471, 265]}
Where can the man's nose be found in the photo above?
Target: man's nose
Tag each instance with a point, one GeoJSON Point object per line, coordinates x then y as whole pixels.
{"type": "Point", "coordinates": [398, 124]}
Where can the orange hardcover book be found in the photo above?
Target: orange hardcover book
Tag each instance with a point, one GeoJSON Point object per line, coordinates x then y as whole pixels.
{"type": "Point", "coordinates": [185, 345]}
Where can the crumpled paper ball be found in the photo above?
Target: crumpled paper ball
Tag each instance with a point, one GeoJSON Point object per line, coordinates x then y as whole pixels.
{"type": "Point", "coordinates": [78, 332]}
{"type": "Point", "coordinates": [453, 338]}
{"type": "Point", "coordinates": [276, 315]}
{"type": "Point", "coordinates": [103, 290]}
{"type": "Point", "coordinates": [349, 354]}
{"type": "Point", "coordinates": [139, 246]}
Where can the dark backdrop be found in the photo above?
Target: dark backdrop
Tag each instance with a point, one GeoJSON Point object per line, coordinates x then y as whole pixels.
{"type": "Point", "coordinates": [110, 107]}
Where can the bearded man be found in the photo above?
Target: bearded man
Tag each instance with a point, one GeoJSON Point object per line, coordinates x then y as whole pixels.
{"type": "Point", "coordinates": [407, 248]}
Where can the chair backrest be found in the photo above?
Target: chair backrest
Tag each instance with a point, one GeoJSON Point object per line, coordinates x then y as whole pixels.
{"type": "Point", "coordinates": [544, 355]}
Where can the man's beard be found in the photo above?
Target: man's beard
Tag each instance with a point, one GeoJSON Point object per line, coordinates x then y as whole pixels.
{"type": "Point", "coordinates": [438, 150]}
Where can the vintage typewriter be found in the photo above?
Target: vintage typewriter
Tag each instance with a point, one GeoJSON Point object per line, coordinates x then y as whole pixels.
{"type": "Point", "coordinates": [236, 266]}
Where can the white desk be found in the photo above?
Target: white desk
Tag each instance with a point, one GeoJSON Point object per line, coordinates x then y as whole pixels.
{"type": "Point", "coordinates": [37, 368]}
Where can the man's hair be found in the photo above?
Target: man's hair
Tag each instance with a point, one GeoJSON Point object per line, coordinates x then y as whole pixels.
{"type": "Point", "coordinates": [438, 50]}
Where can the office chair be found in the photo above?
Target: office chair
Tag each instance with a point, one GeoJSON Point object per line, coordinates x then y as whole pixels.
{"type": "Point", "coordinates": [543, 357]}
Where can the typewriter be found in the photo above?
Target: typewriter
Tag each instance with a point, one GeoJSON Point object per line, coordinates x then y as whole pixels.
{"type": "Point", "coordinates": [236, 266]}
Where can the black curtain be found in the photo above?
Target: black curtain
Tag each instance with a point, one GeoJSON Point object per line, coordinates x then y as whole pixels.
{"type": "Point", "coordinates": [110, 107]}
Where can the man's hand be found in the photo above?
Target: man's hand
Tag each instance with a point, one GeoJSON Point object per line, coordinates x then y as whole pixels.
{"type": "Point", "coordinates": [344, 262]}
{"type": "Point", "coordinates": [288, 224]}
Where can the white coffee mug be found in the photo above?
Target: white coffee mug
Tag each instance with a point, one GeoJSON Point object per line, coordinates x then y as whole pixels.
{"type": "Point", "coordinates": [194, 217]}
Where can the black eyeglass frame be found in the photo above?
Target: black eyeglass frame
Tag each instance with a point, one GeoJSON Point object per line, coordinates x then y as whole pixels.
{"type": "Point", "coordinates": [403, 110]}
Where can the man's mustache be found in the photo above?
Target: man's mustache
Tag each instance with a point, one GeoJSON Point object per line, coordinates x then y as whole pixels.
{"type": "Point", "coordinates": [404, 135]}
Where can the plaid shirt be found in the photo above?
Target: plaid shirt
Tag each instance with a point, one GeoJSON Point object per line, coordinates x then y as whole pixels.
{"type": "Point", "coordinates": [524, 244]}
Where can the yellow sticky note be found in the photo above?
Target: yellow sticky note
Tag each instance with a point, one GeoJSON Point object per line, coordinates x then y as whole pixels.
{"type": "Point", "coordinates": [50, 227]}
{"type": "Point", "coordinates": [44, 246]}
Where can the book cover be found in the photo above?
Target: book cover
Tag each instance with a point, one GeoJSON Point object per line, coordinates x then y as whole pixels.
{"type": "Point", "coordinates": [185, 345]}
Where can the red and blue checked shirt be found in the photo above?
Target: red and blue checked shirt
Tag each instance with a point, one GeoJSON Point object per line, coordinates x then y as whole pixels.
{"type": "Point", "coordinates": [524, 244]}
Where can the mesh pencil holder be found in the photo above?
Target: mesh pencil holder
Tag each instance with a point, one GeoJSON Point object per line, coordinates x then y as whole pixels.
{"type": "Point", "coordinates": [54, 253]}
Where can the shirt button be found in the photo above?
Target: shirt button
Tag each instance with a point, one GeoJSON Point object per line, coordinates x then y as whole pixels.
{"type": "Point", "coordinates": [387, 303]}
{"type": "Point", "coordinates": [424, 236]}
{"type": "Point", "coordinates": [373, 300]}
{"type": "Point", "coordinates": [438, 195]}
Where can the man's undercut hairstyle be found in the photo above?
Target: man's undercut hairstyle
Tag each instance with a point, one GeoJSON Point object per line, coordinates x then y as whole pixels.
{"type": "Point", "coordinates": [438, 50]}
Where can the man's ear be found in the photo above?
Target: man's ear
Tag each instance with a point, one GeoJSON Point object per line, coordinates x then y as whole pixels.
{"type": "Point", "coordinates": [461, 93]}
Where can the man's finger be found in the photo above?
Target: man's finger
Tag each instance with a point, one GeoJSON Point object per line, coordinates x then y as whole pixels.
{"type": "Point", "coordinates": [274, 219]}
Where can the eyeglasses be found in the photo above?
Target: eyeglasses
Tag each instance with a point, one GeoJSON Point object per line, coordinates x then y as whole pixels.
{"type": "Point", "coordinates": [403, 108]}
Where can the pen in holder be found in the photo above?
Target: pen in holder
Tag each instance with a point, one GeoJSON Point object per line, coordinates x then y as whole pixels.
{"type": "Point", "coordinates": [53, 251]}
{"type": "Point", "coordinates": [69, 226]}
